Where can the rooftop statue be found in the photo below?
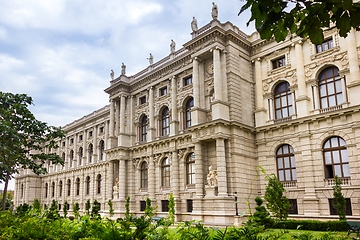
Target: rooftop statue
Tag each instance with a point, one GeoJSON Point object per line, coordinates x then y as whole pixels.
{"type": "Point", "coordinates": [214, 11]}
{"type": "Point", "coordinates": [194, 26]}
{"type": "Point", "coordinates": [112, 74]}
{"type": "Point", "coordinates": [172, 46]}
{"type": "Point", "coordinates": [151, 59]}
{"type": "Point", "coordinates": [123, 69]}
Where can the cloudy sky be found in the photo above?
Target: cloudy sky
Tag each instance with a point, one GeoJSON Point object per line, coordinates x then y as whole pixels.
{"type": "Point", "coordinates": [60, 52]}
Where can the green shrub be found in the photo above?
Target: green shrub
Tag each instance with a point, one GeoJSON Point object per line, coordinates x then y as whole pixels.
{"type": "Point", "coordinates": [314, 225]}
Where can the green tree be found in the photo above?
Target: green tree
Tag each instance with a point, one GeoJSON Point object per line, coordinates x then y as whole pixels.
{"type": "Point", "coordinates": [171, 214]}
{"type": "Point", "coordinates": [261, 216]}
{"type": "Point", "coordinates": [111, 209]}
{"type": "Point", "coordinates": [87, 207]}
{"type": "Point", "coordinates": [95, 209]}
{"type": "Point", "coordinates": [23, 139]}
{"type": "Point", "coordinates": [53, 211]}
{"type": "Point", "coordinates": [36, 205]}
{"type": "Point", "coordinates": [339, 199]}
{"type": "Point", "coordinates": [76, 209]}
{"type": "Point", "coordinates": [65, 209]}
{"type": "Point", "coordinates": [305, 18]}
{"type": "Point", "coordinates": [278, 204]}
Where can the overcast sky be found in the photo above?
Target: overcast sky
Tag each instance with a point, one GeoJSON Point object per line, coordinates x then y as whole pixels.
{"type": "Point", "coordinates": [61, 52]}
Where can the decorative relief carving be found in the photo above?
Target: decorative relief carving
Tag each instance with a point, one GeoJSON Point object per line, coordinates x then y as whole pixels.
{"type": "Point", "coordinates": [210, 68]}
{"type": "Point", "coordinates": [309, 70]}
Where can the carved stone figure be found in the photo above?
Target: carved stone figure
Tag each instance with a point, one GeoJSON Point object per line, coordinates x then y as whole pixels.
{"type": "Point", "coordinates": [112, 74]}
{"type": "Point", "coordinates": [214, 11]}
{"type": "Point", "coordinates": [116, 185]}
{"type": "Point", "coordinates": [123, 69]}
{"type": "Point", "coordinates": [172, 46]}
{"type": "Point", "coordinates": [151, 59]}
{"type": "Point", "coordinates": [194, 26]}
{"type": "Point", "coordinates": [211, 178]}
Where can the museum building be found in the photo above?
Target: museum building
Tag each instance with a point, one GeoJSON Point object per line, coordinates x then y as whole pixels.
{"type": "Point", "coordinates": [200, 122]}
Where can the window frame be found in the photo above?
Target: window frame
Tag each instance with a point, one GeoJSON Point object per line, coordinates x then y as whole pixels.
{"type": "Point", "coordinates": [287, 158]}
{"type": "Point", "coordinates": [87, 185]}
{"type": "Point", "coordinates": [144, 175]}
{"type": "Point", "coordinates": [187, 81]}
{"type": "Point", "coordinates": [98, 184]}
{"type": "Point", "coordinates": [165, 172]}
{"type": "Point", "coordinates": [334, 96]}
{"type": "Point", "coordinates": [278, 62]}
{"type": "Point", "coordinates": [341, 151]}
{"type": "Point", "coordinates": [187, 112]}
{"type": "Point", "coordinates": [60, 188]}
{"type": "Point", "coordinates": [142, 100]}
{"type": "Point", "coordinates": [333, 210]}
{"type": "Point", "coordinates": [68, 183]}
{"type": "Point", "coordinates": [165, 121]}
{"type": "Point", "coordinates": [163, 91]}
{"type": "Point", "coordinates": [77, 186]}
{"type": "Point", "coordinates": [327, 44]}
{"type": "Point", "coordinates": [283, 101]}
{"type": "Point", "coordinates": [190, 169]}
{"type": "Point", "coordinates": [144, 124]}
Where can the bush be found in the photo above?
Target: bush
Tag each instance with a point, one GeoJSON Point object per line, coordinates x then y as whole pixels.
{"type": "Point", "coordinates": [314, 225]}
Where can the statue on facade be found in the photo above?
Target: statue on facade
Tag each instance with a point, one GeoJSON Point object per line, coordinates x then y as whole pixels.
{"type": "Point", "coordinates": [194, 26]}
{"type": "Point", "coordinates": [151, 59]}
{"type": "Point", "coordinates": [172, 46]}
{"type": "Point", "coordinates": [214, 11]}
{"type": "Point", "coordinates": [211, 178]}
{"type": "Point", "coordinates": [123, 69]}
{"type": "Point", "coordinates": [116, 185]}
{"type": "Point", "coordinates": [112, 74]}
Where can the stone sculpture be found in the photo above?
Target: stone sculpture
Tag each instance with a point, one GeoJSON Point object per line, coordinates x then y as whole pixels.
{"type": "Point", "coordinates": [194, 26]}
{"type": "Point", "coordinates": [211, 178]}
{"type": "Point", "coordinates": [214, 11]}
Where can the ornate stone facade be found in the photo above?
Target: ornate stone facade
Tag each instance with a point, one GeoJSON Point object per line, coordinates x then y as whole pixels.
{"type": "Point", "coordinates": [227, 101]}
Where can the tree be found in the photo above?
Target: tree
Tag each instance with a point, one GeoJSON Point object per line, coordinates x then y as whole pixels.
{"type": "Point", "coordinates": [171, 214]}
{"type": "Point", "coordinates": [305, 18]}
{"type": "Point", "coordinates": [95, 210]}
{"type": "Point", "coordinates": [65, 209]}
{"type": "Point", "coordinates": [76, 209]}
{"type": "Point", "coordinates": [339, 199]}
{"type": "Point", "coordinates": [87, 207]}
{"type": "Point", "coordinates": [23, 139]}
{"type": "Point", "coordinates": [278, 204]}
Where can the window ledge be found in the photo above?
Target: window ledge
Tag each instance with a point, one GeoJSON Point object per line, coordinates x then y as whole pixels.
{"type": "Point", "coordinates": [290, 184]}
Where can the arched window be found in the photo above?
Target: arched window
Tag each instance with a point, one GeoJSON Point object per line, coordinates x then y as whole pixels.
{"type": "Point", "coordinates": [165, 172]}
{"type": "Point", "coordinates": [91, 152]}
{"type": "Point", "coordinates": [87, 185]}
{"type": "Point", "coordinates": [46, 189]}
{"type": "Point", "coordinates": [81, 154]}
{"type": "Point", "coordinates": [165, 122]}
{"type": "Point", "coordinates": [68, 187]}
{"type": "Point", "coordinates": [190, 169]}
{"type": "Point", "coordinates": [52, 189]}
{"type": "Point", "coordinates": [60, 188]}
{"type": "Point", "coordinates": [101, 150]}
{"type": "Point", "coordinates": [71, 158]}
{"type": "Point", "coordinates": [187, 116]}
{"type": "Point", "coordinates": [98, 183]}
{"type": "Point", "coordinates": [77, 183]}
{"type": "Point", "coordinates": [283, 101]}
{"type": "Point", "coordinates": [336, 158]}
{"type": "Point", "coordinates": [330, 89]}
{"type": "Point", "coordinates": [144, 175]}
{"type": "Point", "coordinates": [143, 129]}
{"type": "Point", "coordinates": [285, 162]}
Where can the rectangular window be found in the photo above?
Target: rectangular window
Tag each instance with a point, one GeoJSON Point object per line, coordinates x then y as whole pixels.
{"type": "Point", "coordinates": [142, 100]}
{"type": "Point", "coordinates": [101, 129]}
{"type": "Point", "coordinates": [279, 62]}
{"type": "Point", "coordinates": [142, 206]}
{"type": "Point", "coordinates": [90, 134]}
{"type": "Point", "coordinates": [80, 137]}
{"type": "Point", "coordinates": [187, 81]}
{"type": "Point", "coordinates": [162, 91]}
{"type": "Point", "coordinates": [189, 205]}
{"type": "Point", "coordinates": [72, 141]}
{"type": "Point", "coordinates": [333, 210]}
{"type": "Point", "coordinates": [326, 45]}
{"type": "Point", "coordinates": [63, 144]}
{"type": "Point", "coordinates": [293, 206]}
{"type": "Point", "coordinates": [165, 205]}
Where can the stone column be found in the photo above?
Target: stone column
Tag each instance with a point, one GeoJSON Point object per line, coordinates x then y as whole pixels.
{"type": "Point", "coordinates": [271, 108]}
{"type": "Point", "coordinates": [221, 167]}
{"type": "Point", "coordinates": [175, 178]}
{"type": "Point", "coordinates": [196, 82]}
{"type": "Point", "coordinates": [354, 83]}
{"type": "Point", "coordinates": [260, 112]}
{"type": "Point", "coordinates": [122, 179]}
{"type": "Point", "coordinates": [84, 160]}
{"type": "Point", "coordinates": [174, 124]}
{"type": "Point", "coordinates": [151, 129]}
{"type": "Point", "coordinates": [96, 146]}
{"type": "Point", "coordinates": [316, 97]}
{"type": "Point", "coordinates": [110, 181]}
{"type": "Point", "coordinates": [220, 108]}
{"type": "Point", "coordinates": [131, 119]}
{"type": "Point", "coordinates": [199, 176]}
{"type": "Point", "coordinates": [117, 117]}
{"type": "Point", "coordinates": [302, 100]}
{"type": "Point", "coordinates": [122, 114]}
{"type": "Point", "coordinates": [151, 179]}
{"type": "Point", "coordinates": [112, 118]}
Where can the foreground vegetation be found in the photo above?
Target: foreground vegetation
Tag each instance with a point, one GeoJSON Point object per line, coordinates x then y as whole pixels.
{"type": "Point", "coordinates": [35, 223]}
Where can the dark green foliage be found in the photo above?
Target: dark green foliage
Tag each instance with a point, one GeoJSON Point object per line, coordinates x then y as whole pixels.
{"type": "Point", "coordinates": [22, 209]}
{"type": "Point", "coordinates": [127, 208]}
{"type": "Point", "coordinates": [193, 230]}
{"type": "Point", "coordinates": [53, 212]}
{"type": "Point", "coordinates": [313, 225]}
{"type": "Point", "coordinates": [36, 205]}
{"type": "Point", "coordinates": [111, 209]}
{"type": "Point", "coordinates": [87, 207]}
{"type": "Point", "coordinates": [305, 18]}
{"type": "Point", "coordinates": [65, 209]}
{"type": "Point", "coordinates": [23, 139]}
{"type": "Point", "coordinates": [339, 199]}
{"type": "Point", "coordinates": [76, 209]}
{"type": "Point", "coordinates": [261, 216]}
{"type": "Point", "coordinates": [95, 209]}
{"type": "Point", "coordinates": [278, 204]}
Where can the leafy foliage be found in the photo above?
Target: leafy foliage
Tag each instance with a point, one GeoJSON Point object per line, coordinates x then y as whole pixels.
{"type": "Point", "coordinates": [339, 199]}
{"type": "Point", "coordinates": [95, 209]}
{"type": "Point", "coordinates": [261, 216]}
{"type": "Point", "coordinates": [111, 209]}
{"type": "Point", "coordinates": [23, 138]}
{"type": "Point", "coordinates": [305, 18]}
{"type": "Point", "coordinates": [278, 204]}
{"type": "Point", "coordinates": [171, 215]}
{"type": "Point", "coordinates": [87, 207]}
{"type": "Point", "coordinates": [65, 209]}
{"type": "Point", "coordinates": [76, 209]}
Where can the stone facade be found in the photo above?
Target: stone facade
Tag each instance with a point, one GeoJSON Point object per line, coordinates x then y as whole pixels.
{"type": "Point", "coordinates": [225, 100]}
